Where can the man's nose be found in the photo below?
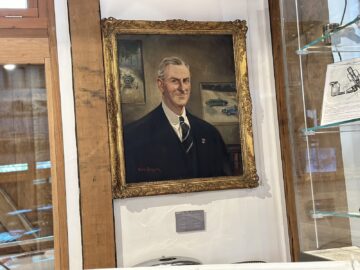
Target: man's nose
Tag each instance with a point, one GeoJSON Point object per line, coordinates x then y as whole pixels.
{"type": "Point", "coordinates": [181, 86]}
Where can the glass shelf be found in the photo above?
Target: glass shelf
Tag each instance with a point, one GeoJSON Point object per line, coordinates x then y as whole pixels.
{"type": "Point", "coordinates": [347, 30]}
{"type": "Point", "coordinates": [355, 123]}
{"type": "Point", "coordinates": [323, 214]}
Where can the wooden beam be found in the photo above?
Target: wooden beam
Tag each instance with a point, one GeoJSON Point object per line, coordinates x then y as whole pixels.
{"type": "Point", "coordinates": [43, 8]}
{"type": "Point", "coordinates": [32, 3]}
{"type": "Point", "coordinates": [58, 168]}
{"type": "Point", "coordinates": [92, 135]}
{"type": "Point", "coordinates": [57, 173]}
{"type": "Point", "coordinates": [275, 20]}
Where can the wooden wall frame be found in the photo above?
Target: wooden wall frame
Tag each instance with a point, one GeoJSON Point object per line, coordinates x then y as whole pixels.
{"type": "Point", "coordinates": [276, 33]}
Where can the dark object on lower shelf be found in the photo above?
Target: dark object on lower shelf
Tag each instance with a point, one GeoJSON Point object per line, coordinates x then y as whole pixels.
{"type": "Point", "coordinates": [252, 262]}
{"type": "Point", "coordinates": [170, 261]}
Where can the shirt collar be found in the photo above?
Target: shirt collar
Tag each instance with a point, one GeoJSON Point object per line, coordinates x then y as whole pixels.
{"type": "Point", "coordinates": [171, 116]}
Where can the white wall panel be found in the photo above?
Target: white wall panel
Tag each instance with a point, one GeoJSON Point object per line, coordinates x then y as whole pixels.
{"type": "Point", "coordinates": [240, 224]}
{"type": "Point", "coordinates": [69, 135]}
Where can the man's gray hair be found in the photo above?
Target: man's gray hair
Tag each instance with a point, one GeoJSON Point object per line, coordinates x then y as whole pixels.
{"type": "Point", "coordinates": [172, 60]}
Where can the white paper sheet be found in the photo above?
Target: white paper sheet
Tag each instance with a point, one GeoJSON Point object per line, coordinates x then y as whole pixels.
{"type": "Point", "coordinates": [341, 101]}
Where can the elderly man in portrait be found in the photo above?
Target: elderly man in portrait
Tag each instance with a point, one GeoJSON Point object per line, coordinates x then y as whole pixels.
{"type": "Point", "coordinates": [169, 143]}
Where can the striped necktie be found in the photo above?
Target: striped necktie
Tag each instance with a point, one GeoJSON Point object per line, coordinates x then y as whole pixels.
{"type": "Point", "coordinates": [186, 138]}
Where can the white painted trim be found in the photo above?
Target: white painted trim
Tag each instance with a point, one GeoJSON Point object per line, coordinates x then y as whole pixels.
{"type": "Point", "coordinates": [69, 135]}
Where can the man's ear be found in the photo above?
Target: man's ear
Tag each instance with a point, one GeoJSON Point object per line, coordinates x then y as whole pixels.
{"type": "Point", "coordinates": [160, 84]}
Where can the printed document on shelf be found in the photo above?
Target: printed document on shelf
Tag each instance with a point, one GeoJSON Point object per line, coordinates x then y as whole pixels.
{"type": "Point", "coordinates": [341, 100]}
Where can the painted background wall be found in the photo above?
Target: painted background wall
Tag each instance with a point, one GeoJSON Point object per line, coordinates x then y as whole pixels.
{"type": "Point", "coordinates": [240, 224]}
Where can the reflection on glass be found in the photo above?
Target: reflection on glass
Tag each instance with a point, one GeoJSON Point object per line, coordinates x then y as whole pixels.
{"type": "Point", "coordinates": [321, 160]}
{"type": "Point", "coordinates": [26, 220]}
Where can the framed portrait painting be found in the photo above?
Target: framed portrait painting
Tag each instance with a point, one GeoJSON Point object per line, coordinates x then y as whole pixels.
{"type": "Point", "coordinates": [179, 106]}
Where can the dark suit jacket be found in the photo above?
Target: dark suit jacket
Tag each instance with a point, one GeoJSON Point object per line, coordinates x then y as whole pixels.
{"type": "Point", "coordinates": [153, 151]}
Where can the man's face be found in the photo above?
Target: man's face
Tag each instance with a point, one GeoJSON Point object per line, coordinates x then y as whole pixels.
{"type": "Point", "coordinates": [175, 87]}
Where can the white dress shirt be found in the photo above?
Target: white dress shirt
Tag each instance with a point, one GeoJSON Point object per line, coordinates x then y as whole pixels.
{"type": "Point", "coordinates": [173, 119]}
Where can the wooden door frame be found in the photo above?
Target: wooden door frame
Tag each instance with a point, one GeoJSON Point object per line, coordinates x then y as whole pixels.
{"type": "Point", "coordinates": [57, 170]}
{"type": "Point", "coordinates": [33, 40]}
{"type": "Point", "coordinates": [280, 84]}
{"type": "Point", "coordinates": [36, 51]}
{"type": "Point", "coordinates": [61, 242]}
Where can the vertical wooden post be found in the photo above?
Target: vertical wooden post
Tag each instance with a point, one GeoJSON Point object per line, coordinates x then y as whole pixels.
{"type": "Point", "coordinates": [57, 153]}
{"type": "Point", "coordinates": [57, 172]}
{"type": "Point", "coordinates": [92, 135]}
{"type": "Point", "coordinates": [275, 20]}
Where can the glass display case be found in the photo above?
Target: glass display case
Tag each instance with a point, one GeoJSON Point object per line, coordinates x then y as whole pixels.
{"type": "Point", "coordinates": [26, 207]}
{"type": "Point", "coordinates": [315, 37]}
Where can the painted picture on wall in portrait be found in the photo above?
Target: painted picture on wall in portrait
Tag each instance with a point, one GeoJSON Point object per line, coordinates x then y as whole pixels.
{"type": "Point", "coordinates": [131, 72]}
{"type": "Point", "coordinates": [219, 103]}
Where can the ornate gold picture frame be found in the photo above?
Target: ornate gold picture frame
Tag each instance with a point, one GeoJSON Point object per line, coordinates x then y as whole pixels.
{"type": "Point", "coordinates": [213, 69]}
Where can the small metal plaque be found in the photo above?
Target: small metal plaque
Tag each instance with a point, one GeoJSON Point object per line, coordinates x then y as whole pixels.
{"type": "Point", "coordinates": [188, 221]}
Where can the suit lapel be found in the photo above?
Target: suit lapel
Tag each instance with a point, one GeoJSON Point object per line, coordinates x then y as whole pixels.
{"type": "Point", "coordinates": [200, 139]}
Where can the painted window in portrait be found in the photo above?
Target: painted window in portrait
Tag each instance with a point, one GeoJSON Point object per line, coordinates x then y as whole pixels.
{"type": "Point", "coordinates": [179, 118]}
